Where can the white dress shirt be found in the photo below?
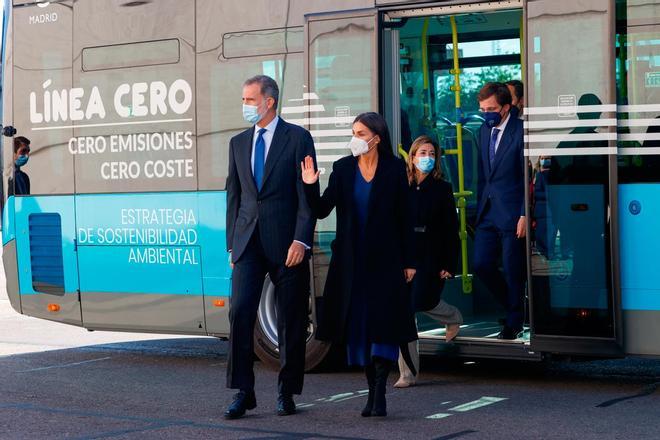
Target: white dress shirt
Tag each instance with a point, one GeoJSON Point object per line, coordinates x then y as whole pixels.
{"type": "Point", "coordinates": [501, 128]}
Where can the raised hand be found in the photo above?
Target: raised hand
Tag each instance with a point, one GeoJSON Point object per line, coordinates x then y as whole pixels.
{"type": "Point", "coordinates": [309, 176]}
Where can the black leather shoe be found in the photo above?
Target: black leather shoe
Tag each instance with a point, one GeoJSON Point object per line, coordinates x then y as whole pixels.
{"type": "Point", "coordinates": [243, 400]}
{"type": "Point", "coordinates": [285, 405]}
{"type": "Point", "coordinates": [508, 333]}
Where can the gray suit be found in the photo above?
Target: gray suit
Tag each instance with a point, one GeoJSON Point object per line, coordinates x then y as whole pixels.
{"type": "Point", "coordinates": [261, 225]}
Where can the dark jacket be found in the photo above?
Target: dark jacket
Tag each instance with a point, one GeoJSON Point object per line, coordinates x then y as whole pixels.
{"type": "Point", "coordinates": [389, 249]}
{"type": "Point", "coordinates": [280, 208]}
{"type": "Point", "coordinates": [19, 184]}
{"type": "Point", "coordinates": [503, 186]}
{"type": "Point", "coordinates": [436, 239]}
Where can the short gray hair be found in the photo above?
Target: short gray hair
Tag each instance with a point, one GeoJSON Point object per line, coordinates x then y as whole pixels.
{"type": "Point", "coordinates": [268, 86]}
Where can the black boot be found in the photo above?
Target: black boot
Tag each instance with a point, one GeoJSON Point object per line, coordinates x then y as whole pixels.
{"type": "Point", "coordinates": [371, 377]}
{"type": "Point", "coordinates": [382, 368]}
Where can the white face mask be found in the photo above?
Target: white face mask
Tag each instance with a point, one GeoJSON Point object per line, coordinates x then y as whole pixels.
{"type": "Point", "coordinates": [359, 146]}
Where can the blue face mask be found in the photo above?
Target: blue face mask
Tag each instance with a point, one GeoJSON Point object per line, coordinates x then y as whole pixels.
{"type": "Point", "coordinates": [493, 119]}
{"type": "Point", "coordinates": [425, 164]}
{"type": "Point", "coordinates": [251, 113]}
{"type": "Point", "coordinates": [21, 160]}
{"type": "Point", "coordinates": [545, 163]}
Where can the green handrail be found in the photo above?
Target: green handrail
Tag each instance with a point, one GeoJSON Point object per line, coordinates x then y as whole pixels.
{"type": "Point", "coordinates": [461, 195]}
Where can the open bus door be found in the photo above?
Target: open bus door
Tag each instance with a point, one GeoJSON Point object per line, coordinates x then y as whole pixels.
{"type": "Point", "coordinates": [570, 140]}
{"type": "Point", "coordinates": [341, 81]}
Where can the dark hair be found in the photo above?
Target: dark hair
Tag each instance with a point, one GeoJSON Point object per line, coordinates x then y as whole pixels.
{"type": "Point", "coordinates": [268, 86]}
{"type": "Point", "coordinates": [21, 141]}
{"type": "Point", "coordinates": [376, 123]}
{"type": "Point", "coordinates": [517, 87]}
{"type": "Point", "coordinates": [500, 90]}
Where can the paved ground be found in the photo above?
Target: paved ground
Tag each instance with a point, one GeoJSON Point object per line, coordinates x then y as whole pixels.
{"type": "Point", "coordinates": [64, 382]}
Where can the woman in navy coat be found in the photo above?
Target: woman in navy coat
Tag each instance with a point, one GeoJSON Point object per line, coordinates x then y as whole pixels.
{"type": "Point", "coordinates": [366, 304]}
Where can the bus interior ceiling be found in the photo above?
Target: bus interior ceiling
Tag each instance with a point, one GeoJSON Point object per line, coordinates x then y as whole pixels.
{"type": "Point", "coordinates": [489, 47]}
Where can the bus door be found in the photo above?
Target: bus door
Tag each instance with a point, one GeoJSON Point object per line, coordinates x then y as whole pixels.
{"type": "Point", "coordinates": [341, 81]}
{"type": "Point", "coordinates": [134, 148]}
{"type": "Point", "coordinates": [39, 221]}
{"type": "Point", "coordinates": [570, 121]}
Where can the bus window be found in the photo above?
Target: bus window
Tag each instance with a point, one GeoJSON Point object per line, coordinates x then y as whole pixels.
{"type": "Point", "coordinates": [220, 87]}
{"type": "Point", "coordinates": [136, 129]}
{"type": "Point", "coordinates": [42, 68]}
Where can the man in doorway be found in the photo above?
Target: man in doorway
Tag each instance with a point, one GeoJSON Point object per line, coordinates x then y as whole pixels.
{"type": "Point", "coordinates": [19, 183]}
{"type": "Point", "coordinates": [501, 224]}
{"type": "Point", "coordinates": [269, 232]}
{"type": "Point", "coordinates": [517, 91]}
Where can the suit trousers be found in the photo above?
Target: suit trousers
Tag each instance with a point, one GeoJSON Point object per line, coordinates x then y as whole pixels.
{"type": "Point", "coordinates": [292, 306]}
{"type": "Point", "coordinates": [508, 286]}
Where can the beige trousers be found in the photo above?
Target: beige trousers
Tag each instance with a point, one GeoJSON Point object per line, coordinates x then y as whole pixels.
{"type": "Point", "coordinates": [444, 313]}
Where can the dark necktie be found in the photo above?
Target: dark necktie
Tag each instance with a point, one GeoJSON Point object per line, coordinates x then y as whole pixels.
{"type": "Point", "coordinates": [491, 147]}
{"type": "Point", "coordinates": [259, 159]}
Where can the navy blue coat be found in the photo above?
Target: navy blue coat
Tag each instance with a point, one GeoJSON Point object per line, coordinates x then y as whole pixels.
{"type": "Point", "coordinates": [503, 186]}
{"type": "Point", "coordinates": [280, 208]}
{"type": "Point", "coordinates": [389, 249]}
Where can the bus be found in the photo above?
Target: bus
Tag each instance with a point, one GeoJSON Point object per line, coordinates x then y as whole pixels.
{"type": "Point", "coordinates": [129, 107]}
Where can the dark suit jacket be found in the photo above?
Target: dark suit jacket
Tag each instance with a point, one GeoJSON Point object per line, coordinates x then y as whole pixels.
{"type": "Point", "coordinates": [389, 249]}
{"type": "Point", "coordinates": [503, 186]}
{"type": "Point", "coordinates": [436, 239]}
{"type": "Point", "coordinates": [280, 208]}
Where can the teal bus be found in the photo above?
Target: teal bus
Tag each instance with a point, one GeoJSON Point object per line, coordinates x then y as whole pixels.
{"type": "Point", "coordinates": [129, 107]}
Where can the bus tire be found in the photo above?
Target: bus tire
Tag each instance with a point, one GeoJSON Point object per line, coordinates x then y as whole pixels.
{"type": "Point", "coordinates": [265, 334]}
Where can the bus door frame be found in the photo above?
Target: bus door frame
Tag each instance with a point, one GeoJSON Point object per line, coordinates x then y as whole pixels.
{"type": "Point", "coordinates": [579, 345]}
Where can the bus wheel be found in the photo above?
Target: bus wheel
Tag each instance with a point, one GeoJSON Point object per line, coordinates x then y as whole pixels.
{"type": "Point", "coordinates": [265, 334]}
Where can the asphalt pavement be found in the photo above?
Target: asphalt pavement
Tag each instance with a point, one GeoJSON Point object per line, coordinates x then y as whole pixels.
{"type": "Point", "coordinates": [58, 382]}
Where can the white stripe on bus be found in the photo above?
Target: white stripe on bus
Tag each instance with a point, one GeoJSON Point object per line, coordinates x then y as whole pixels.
{"type": "Point", "coordinates": [310, 96]}
{"type": "Point", "coordinates": [571, 123]}
{"type": "Point", "coordinates": [321, 121]}
{"type": "Point", "coordinates": [302, 109]}
{"type": "Point", "coordinates": [569, 109]}
{"type": "Point", "coordinates": [639, 122]}
{"type": "Point", "coordinates": [331, 145]}
{"type": "Point", "coordinates": [641, 108]}
{"type": "Point", "coordinates": [111, 124]}
{"type": "Point", "coordinates": [643, 151]}
{"type": "Point", "coordinates": [327, 133]}
{"type": "Point", "coordinates": [639, 137]}
{"type": "Point", "coordinates": [570, 137]}
{"type": "Point", "coordinates": [580, 151]}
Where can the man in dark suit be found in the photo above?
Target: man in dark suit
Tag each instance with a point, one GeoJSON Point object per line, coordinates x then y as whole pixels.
{"type": "Point", "coordinates": [269, 231]}
{"type": "Point", "coordinates": [501, 224]}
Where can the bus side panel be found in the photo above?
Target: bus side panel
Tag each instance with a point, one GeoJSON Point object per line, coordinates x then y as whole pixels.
{"type": "Point", "coordinates": [45, 249]}
{"type": "Point", "coordinates": [11, 274]}
{"type": "Point", "coordinates": [140, 262]}
{"type": "Point", "coordinates": [640, 278]}
{"type": "Point", "coordinates": [216, 272]}
{"type": "Point", "coordinates": [9, 255]}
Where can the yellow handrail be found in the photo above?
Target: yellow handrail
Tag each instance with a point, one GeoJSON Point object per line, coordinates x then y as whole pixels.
{"type": "Point", "coordinates": [461, 195]}
{"type": "Point", "coordinates": [403, 153]}
{"type": "Point", "coordinates": [426, 98]}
